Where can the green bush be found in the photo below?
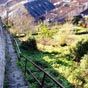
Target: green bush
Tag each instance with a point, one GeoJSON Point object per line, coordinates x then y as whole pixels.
{"type": "Point", "coordinates": [75, 78]}
{"type": "Point", "coordinates": [79, 50]}
{"type": "Point", "coordinates": [84, 62]}
{"type": "Point", "coordinates": [86, 85]}
{"type": "Point", "coordinates": [45, 32]}
{"type": "Point", "coordinates": [75, 20]}
{"type": "Point", "coordinates": [80, 23]}
{"type": "Point", "coordinates": [29, 44]}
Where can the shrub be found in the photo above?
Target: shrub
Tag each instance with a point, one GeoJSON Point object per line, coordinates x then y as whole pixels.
{"type": "Point", "coordinates": [63, 39]}
{"type": "Point", "coordinates": [29, 44]}
{"type": "Point", "coordinates": [75, 78]}
{"type": "Point", "coordinates": [64, 34]}
{"type": "Point", "coordinates": [80, 23]}
{"type": "Point", "coordinates": [45, 32]}
{"type": "Point", "coordinates": [84, 62]}
{"type": "Point", "coordinates": [86, 85]}
{"type": "Point", "coordinates": [75, 20]}
{"type": "Point", "coordinates": [79, 50]}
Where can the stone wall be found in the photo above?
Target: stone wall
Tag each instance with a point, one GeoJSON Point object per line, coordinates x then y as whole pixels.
{"type": "Point", "coordinates": [2, 55]}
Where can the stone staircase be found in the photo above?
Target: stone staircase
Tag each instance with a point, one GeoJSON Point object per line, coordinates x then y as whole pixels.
{"type": "Point", "coordinates": [14, 74]}
{"type": "Point", "coordinates": [2, 55]}
{"type": "Point", "coordinates": [8, 59]}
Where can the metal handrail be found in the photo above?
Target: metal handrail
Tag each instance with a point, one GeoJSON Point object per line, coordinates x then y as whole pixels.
{"type": "Point", "coordinates": [27, 70]}
{"type": "Point", "coordinates": [59, 84]}
{"type": "Point", "coordinates": [18, 49]}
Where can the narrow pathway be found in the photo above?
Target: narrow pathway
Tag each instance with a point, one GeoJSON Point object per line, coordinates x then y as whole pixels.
{"type": "Point", "coordinates": [14, 75]}
{"type": "Point", "coordinates": [2, 56]}
{"type": "Point", "coordinates": [8, 59]}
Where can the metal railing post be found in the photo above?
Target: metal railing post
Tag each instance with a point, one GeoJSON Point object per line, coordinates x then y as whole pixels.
{"type": "Point", "coordinates": [18, 49]}
{"type": "Point", "coordinates": [42, 83]}
{"type": "Point", "coordinates": [25, 70]}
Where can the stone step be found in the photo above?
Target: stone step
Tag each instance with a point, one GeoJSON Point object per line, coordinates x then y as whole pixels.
{"type": "Point", "coordinates": [2, 56]}
{"type": "Point", "coordinates": [14, 75]}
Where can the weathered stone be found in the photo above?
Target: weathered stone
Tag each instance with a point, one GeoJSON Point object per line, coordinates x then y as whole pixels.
{"type": "Point", "coordinates": [14, 74]}
{"type": "Point", "coordinates": [2, 56]}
